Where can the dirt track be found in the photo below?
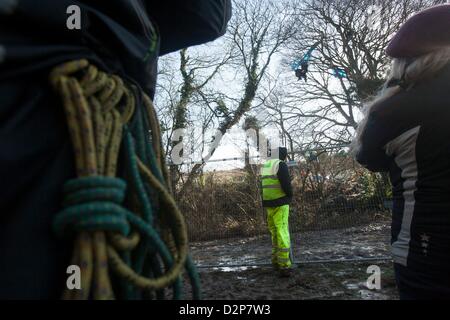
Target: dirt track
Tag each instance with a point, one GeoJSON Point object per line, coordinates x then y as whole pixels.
{"type": "Point", "coordinates": [338, 280]}
{"type": "Point", "coordinates": [352, 243]}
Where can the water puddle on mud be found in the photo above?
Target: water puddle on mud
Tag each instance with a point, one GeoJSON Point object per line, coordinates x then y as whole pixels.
{"type": "Point", "coordinates": [362, 292]}
{"type": "Point", "coordinates": [373, 295]}
{"type": "Point", "coordinates": [359, 242]}
{"type": "Point", "coordinates": [233, 269]}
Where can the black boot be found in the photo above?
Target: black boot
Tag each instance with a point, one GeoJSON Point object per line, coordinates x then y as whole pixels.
{"type": "Point", "coordinates": [285, 272]}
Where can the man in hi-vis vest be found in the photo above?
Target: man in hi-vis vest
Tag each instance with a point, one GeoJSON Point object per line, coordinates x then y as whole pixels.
{"type": "Point", "coordinates": [277, 195]}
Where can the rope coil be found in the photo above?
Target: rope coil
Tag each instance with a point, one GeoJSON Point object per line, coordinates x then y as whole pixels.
{"type": "Point", "coordinates": [131, 225]}
{"type": "Point", "coordinates": [93, 204]}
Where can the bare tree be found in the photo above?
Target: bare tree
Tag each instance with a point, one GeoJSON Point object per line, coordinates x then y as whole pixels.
{"type": "Point", "coordinates": [258, 30]}
{"type": "Point", "coordinates": [349, 36]}
{"type": "Point", "coordinates": [184, 88]}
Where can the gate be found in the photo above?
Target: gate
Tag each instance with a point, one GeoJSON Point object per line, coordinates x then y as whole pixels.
{"type": "Point", "coordinates": [340, 211]}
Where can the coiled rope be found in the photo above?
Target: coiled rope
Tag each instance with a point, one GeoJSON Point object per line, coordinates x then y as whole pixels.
{"type": "Point", "coordinates": [130, 239]}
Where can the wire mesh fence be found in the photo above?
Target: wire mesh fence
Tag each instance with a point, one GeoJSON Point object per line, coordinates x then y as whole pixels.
{"type": "Point", "coordinates": [339, 211]}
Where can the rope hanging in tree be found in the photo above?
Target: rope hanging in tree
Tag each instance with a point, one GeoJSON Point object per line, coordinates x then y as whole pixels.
{"type": "Point", "coordinates": [130, 238]}
{"type": "Point", "coordinates": [300, 66]}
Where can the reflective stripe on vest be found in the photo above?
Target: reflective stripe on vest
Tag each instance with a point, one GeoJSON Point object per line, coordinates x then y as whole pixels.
{"type": "Point", "coordinates": [272, 186]}
{"type": "Point", "coordinates": [270, 183]}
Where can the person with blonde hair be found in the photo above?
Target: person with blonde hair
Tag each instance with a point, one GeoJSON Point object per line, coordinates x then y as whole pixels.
{"type": "Point", "coordinates": [406, 132]}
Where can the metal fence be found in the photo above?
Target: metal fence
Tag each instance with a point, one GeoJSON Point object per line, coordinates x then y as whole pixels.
{"type": "Point", "coordinates": [340, 211]}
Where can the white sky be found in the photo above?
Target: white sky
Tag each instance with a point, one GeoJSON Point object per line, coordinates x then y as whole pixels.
{"type": "Point", "coordinates": [231, 84]}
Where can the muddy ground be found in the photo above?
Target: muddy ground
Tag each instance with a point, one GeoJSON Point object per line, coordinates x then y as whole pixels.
{"type": "Point", "coordinates": [336, 281]}
{"type": "Point", "coordinates": [227, 266]}
{"type": "Point", "coordinates": [366, 241]}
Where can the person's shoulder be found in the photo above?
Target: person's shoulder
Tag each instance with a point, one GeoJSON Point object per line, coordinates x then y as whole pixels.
{"type": "Point", "coordinates": [282, 165]}
{"type": "Point", "coordinates": [416, 101]}
{"type": "Point", "coordinates": [404, 104]}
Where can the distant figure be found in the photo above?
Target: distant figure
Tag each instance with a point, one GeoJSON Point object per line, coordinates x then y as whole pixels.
{"type": "Point", "coordinates": [302, 72]}
{"type": "Point", "coordinates": [406, 132]}
{"type": "Point", "coordinates": [277, 195]}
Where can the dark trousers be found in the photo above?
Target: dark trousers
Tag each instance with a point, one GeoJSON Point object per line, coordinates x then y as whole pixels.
{"type": "Point", "coordinates": [36, 158]}
{"type": "Point", "coordinates": [413, 285]}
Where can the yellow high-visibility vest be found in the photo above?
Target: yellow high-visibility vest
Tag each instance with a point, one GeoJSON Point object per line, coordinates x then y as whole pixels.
{"type": "Point", "coordinates": [271, 185]}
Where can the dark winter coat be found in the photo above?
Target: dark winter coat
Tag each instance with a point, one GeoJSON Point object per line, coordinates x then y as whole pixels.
{"type": "Point", "coordinates": [408, 135]}
{"type": "Point", "coordinates": [124, 37]}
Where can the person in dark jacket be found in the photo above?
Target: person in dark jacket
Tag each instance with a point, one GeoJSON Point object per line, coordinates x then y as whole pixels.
{"type": "Point", "coordinates": [276, 196]}
{"type": "Point", "coordinates": [406, 132]}
{"type": "Point", "coordinates": [123, 37]}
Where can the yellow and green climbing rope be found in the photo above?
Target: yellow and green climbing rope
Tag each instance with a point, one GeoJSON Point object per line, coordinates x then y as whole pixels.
{"type": "Point", "coordinates": [130, 239]}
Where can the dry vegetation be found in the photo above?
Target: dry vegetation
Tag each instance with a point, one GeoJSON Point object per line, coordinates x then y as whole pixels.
{"type": "Point", "coordinates": [331, 192]}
